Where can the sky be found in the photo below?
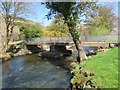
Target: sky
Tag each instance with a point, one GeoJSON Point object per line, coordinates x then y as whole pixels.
{"type": "Point", "coordinates": [39, 12]}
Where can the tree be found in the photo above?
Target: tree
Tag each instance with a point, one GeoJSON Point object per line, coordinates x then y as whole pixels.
{"type": "Point", "coordinates": [10, 10]}
{"type": "Point", "coordinates": [56, 29]}
{"type": "Point", "coordinates": [71, 12]}
{"type": "Point", "coordinates": [104, 21]}
{"type": "Point", "coordinates": [84, 29]}
{"type": "Point", "coordinates": [59, 21]}
{"type": "Point", "coordinates": [31, 30]}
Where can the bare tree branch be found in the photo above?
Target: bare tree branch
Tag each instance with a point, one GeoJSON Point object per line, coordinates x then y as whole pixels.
{"type": "Point", "coordinates": [10, 11]}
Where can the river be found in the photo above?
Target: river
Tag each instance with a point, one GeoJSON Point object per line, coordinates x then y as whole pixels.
{"type": "Point", "coordinates": [31, 71]}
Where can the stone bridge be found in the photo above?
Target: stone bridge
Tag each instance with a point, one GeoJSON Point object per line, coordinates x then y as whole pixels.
{"type": "Point", "coordinates": [69, 40]}
{"type": "Point", "coordinates": [90, 40]}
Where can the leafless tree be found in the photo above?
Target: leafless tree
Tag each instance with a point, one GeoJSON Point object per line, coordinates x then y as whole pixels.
{"type": "Point", "coordinates": [10, 10]}
{"type": "Point", "coordinates": [108, 12]}
{"type": "Point", "coordinates": [104, 17]}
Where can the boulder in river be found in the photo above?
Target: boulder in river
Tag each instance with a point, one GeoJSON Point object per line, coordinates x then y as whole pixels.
{"type": "Point", "coordinates": [91, 52]}
{"type": "Point", "coordinates": [55, 54]}
{"type": "Point", "coordinates": [111, 45]}
{"type": "Point", "coordinates": [51, 54]}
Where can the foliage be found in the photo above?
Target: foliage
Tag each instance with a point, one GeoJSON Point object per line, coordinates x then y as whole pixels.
{"type": "Point", "coordinates": [105, 67]}
{"type": "Point", "coordinates": [104, 20]}
{"type": "Point", "coordinates": [59, 21]}
{"type": "Point", "coordinates": [56, 29]}
{"type": "Point", "coordinates": [10, 11]}
{"type": "Point", "coordinates": [47, 33]}
{"type": "Point", "coordinates": [100, 30]}
{"type": "Point", "coordinates": [81, 79]}
{"type": "Point", "coordinates": [31, 30]}
{"type": "Point", "coordinates": [84, 29]}
{"type": "Point", "coordinates": [70, 12]}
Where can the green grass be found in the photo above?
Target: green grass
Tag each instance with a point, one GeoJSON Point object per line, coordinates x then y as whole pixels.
{"type": "Point", "coordinates": [105, 67]}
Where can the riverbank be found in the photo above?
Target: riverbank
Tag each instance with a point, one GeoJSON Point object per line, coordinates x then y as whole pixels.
{"type": "Point", "coordinates": [104, 67]}
{"type": "Point", "coordinates": [7, 56]}
{"type": "Point", "coordinates": [18, 49]}
{"type": "Point", "coordinates": [63, 63]}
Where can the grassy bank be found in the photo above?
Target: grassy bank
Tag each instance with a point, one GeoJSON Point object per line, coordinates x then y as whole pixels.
{"type": "Point", "coordinates": [105, 67]}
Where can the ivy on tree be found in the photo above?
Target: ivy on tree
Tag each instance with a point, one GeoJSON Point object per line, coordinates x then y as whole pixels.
{"type": "Point", "coordinates": [71, 11]}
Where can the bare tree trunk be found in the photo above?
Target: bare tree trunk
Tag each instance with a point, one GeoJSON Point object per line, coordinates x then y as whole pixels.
{"type": "Point", "coordinates": [80, 50]}
{"type": "Point", "coordinates": [10, 11]}
{"type": "Point", "coordinates": [74, 33]}
{"type": "Point", "coordinates": [77, 47]}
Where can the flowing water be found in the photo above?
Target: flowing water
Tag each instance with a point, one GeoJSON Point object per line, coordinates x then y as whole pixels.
{"type": "Point", "coordinates": [31, 71]}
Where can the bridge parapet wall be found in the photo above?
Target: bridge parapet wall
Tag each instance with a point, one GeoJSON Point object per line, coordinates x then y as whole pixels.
{"type": "Point", "coordinates": [50, 40]}
{"type": "Point", "coordinates": [101, 38]}
{"type": "Point", "coordinates": [64, 40]}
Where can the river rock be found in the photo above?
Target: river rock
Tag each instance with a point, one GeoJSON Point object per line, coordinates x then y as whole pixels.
{"type": "Point", "coordinates": [40, 55]}
{"type": "Point", "coordinates": [91, 52]}
{"type": "Point", "coordinates": [51, 54]}
{"type": "Point", "coordinates": [67, 53]}
{"type": "Point", "coordinates": [55, 54]}
{"type": "Point", "coordinates": [89, 57]}
{"type": "Point", "coordinates": [102, 50]}
{"type": "Point", "coordinates": [111, 45]}
{"type": "Point", "coordinates": [73, 64]}
{"type": "Point", "coordinates": [22, 52]}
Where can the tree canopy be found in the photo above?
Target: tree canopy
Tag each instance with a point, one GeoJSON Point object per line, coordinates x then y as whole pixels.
{"type": "Point", "coordinates": [71, 11]}
{"type": "Point", "coordinates": [31, 30]}
{"type": "Point", "coordinates": [104, 21]}
{"type": "Point", "coordinates": [57, 28]}
{"type": "Point", "coordinates": [10, 10]}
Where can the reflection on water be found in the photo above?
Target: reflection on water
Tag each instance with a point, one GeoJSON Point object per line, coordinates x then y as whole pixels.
{"type": "Point", "coordinates": [31, 71]}
{"type": "Point", "coordinates": [87, 48]}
